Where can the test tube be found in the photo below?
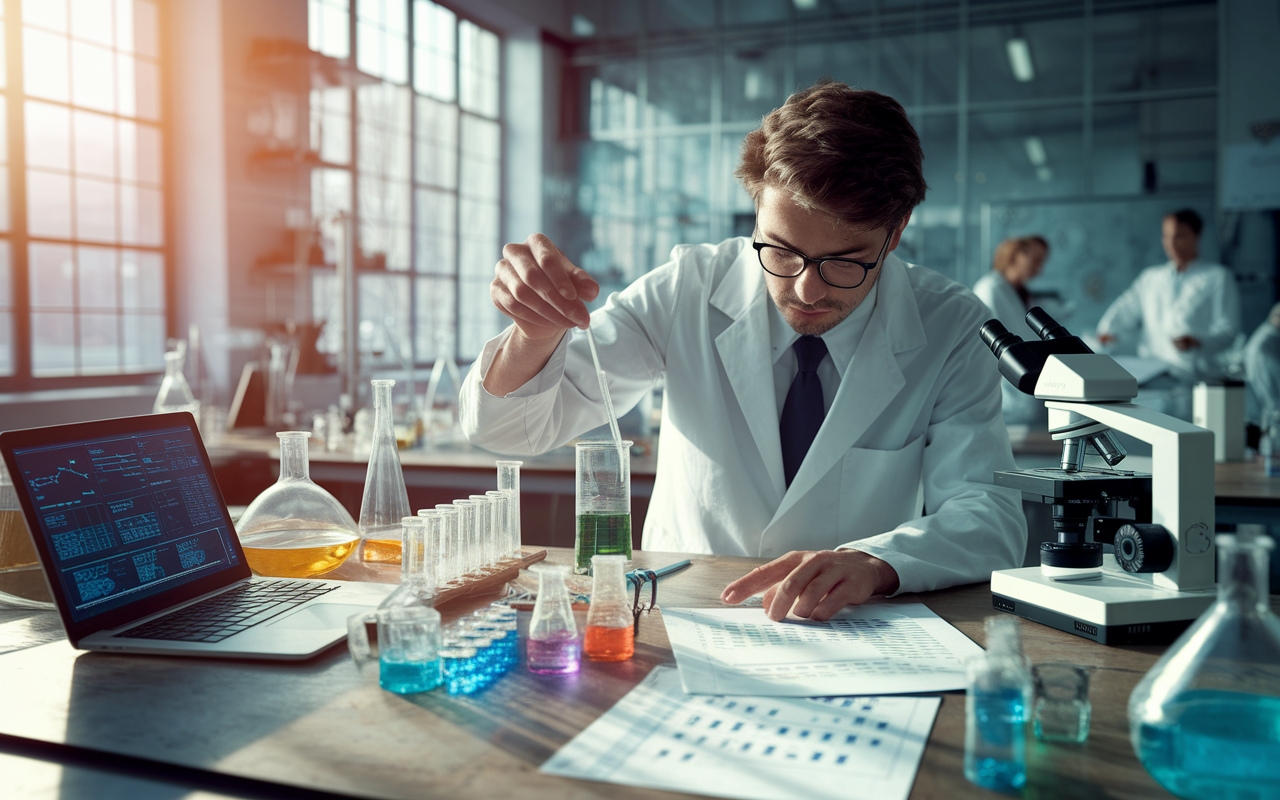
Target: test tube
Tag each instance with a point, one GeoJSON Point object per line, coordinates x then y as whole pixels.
{"type": "Point", "coordinates": [448, 543]}
{"type": "Point", "coordinates": [412, 567]}
{"type": "Point", "coordinates": [480, 537]}
{"type": "Point", "coordinates": [509, 484]}
{"type": "Point", "coordinates": [457, 665]}
{"type": "Point", "coordinates": [466, 526]}
{"type": "Point", "coordinates": [496, 547]}
{"type": "Point", "coordinates": [432, 521]}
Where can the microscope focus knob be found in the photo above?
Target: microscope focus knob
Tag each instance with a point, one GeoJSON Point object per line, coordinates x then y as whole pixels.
{"type": "Point", "coordinates": [1144, 548]}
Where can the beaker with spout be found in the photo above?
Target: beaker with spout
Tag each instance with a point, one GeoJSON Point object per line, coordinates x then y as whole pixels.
{"type": "Point", "coordinates": [602, 502]}
{"type": "Point", "coordinates": [386, 500]}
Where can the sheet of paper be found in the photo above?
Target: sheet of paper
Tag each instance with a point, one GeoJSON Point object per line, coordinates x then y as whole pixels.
{"type": "Point", "coordinates": [889, 647]}
{"type": "Point", "coordinates": [758, 748]}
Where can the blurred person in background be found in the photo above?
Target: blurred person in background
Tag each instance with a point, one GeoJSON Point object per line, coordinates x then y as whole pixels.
{"type": "Point", "coordinates": [1185, 313]}
{"type": "Point", "coordinates": [1262, 365]}
{"type": "Point", "coordinates": [1004, 289]}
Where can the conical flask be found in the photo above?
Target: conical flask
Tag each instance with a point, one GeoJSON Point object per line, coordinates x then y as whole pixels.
{"type": "Point", "coordinates": [610, 629]}
{"type": "Point", "coordinates": [553, 647]}
{"type": "Point", "coordinates": [21, 580]}
{"type": "Point", "coordinates": [175, 393]}
{"type": "Point", "coordinates": [386, 501]}
{"type": "Point", "coordinates": [1205, 721]}
{"type": "Point", "coordinates": [295, 529]}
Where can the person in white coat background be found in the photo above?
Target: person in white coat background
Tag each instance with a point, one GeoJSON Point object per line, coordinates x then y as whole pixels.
{"type": "Point", "coordinates": [1186, 313]}
{"type": "Point", "coordinates": [1016, 262]}
{"type": "Point", "coordinates": [827, 405]}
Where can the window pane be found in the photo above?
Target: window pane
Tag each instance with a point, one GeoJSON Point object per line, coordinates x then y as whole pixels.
{"type": "Point", "coordinates": [1160, 48]}
{"type": "Point", "coordinates": [435, 321]}
{"type": "Point", "coordinates": [613, 104]}
{"type": "Point", "coordinates": [437, 134]}
{"type": "Point", "coordinates": [53, 344]}
{"type": "Point", "coordinates": [150, 217]}
{"type": "Point", "coordinates": [6, 343]}
{"type": "Point", "coordinates": [368, 48]}
{"type": "Point", "coordinates": [481, 156]}
{"type": "Point", "coordinates": [1054, 47]}
{"type": "Point", "coordinates": [91, 20]}
{"type": "Point", "coordinates": [479, 321]}
{"type": "Point", "coordinates": [126, 85]}
{"type": "Point", "coordinates": [52, 271]}
{"type": "Point", "coordinates": [679, 91]}
{"type": "Point", "coordinates": [95, 138]}
{"type": "Point", "coordinates": [146, 28]}
{"type": "Point", "coordinates": [1176, 137]}
{"type": "Point", "coordinates": [478, 69]}
{"type": "Point", "coordinates": [95, 210]}
{"type": "Point", "coordinates": [124, 25]}
{"type": "Point", "coordinates": [330, 192]}
{"type": "Point", "coordinates": [434, 55]}
{"type": "Point", "coordinates": [143, 342]}
{"type": "Point", "coordinates": [46, 14]}
{"type": "Point", "coordinates": [142, 280]}
{"type": "Point", "coordinates": [753, 82]}
{"type": "Point", "coordinates": [436, 232]}
{"type": "Point", "coordinates": [99, 343]}
{"type": "Point", "coordinates": [328, 26]}
{"type": "Point", "coordinates": [139, 152]}
{"type": "Point", "coordinates": [97, 277]}
{"type": "Point", "coordinates": [384, 318]}
{"type": "Point", "coordinates": [147, 83]}
{"type": "Point", "coordinates": [48, 204]}
{"type": "Point", "coordinates": [92, 84]}
{"type": "Point", "coordinates": [48, 136]}
{"type": "Point", "coordinates": [44, 65]}
{"type": "Point", "coordinates": [331, 124]}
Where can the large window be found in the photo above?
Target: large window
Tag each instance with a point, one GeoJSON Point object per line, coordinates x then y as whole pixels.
{"type": "Point", "coordinates": [422, 176]}
{"type": "Point", "coordinates": [82, 258]}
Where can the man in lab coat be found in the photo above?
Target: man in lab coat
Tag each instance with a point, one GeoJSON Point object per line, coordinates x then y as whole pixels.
{"type": "Point", "coordinates": [827, 405]}
{"type": "Point", "coordinates": [1187, 309]}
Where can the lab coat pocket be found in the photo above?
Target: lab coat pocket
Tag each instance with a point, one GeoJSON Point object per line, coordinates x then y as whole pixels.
{"type": "Point", "coordinates": [880, 489]}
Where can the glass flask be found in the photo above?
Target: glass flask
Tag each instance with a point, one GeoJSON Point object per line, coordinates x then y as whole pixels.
{"type": "Point", "coordinates": [552, 648]}
{"type": "Point", "coordinates": [295, 529]}
{"type": "Point", "coordinates": [1205, 721]}
{"type": "Point", "coordinates": [602, 502]}
{"type": "Point", "coordinates": [509, 484]}
{"type": "Point", "coordinates": [21, 579]}
{"type": "Point", "coordinates": [386, 501]}
{"type": "Point", "coordinates": [175, 393]}
{"type": "Point", "coordinates": [999, 692]}
{"type": "Point", "coordinates": [610, 633]}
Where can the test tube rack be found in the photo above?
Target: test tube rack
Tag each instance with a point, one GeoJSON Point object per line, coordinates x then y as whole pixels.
{"type": "Point", "coordinates": [489, 582]}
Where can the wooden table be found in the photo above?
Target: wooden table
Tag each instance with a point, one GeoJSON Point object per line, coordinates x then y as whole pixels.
{"type": "Point", "coordinates": [1244, 494]}
{"type": "Point", "coordinates": [322, 727]}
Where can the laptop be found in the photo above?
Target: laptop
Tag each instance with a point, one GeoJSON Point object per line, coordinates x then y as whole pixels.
{"type": "Point", "coordinates": [140, 553]}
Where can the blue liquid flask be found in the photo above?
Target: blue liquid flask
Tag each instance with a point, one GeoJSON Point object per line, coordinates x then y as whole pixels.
{"type": "Point", "coordinates": [1205, 721]}
{"type": "Point", "coordinates": [999, 691]}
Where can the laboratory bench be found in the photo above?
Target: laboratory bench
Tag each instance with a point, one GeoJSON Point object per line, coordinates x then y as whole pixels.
{"type": "Point", "coordinates": [322, 729]}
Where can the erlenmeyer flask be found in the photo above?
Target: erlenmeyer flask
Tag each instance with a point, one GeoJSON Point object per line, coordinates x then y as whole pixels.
{"type": "Point", "coordinates": [1205, 721]}
{"type": "Point", "coordinates": [295, 529]}
{"type": "Point", "coordinates": [386, 501]}
{"type": "Point", "coordinates": [610, 632]}
{"type": "Point", "coordinates": [21, 580]}
{"type": "Point", "coordinates": [553, 634]}
{"type": "Point", "coordinates": [175, 393]}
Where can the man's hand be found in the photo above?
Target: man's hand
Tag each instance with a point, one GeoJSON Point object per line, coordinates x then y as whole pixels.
{"type": "Point", "coordinates": [1185, 343]}
{"type": "Point", "coordinates": [814, 583]}
{"type": "Point", "coordinates": [541, 290]}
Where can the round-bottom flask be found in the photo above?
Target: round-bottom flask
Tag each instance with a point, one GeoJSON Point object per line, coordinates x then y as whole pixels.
{"type": "Point", "coordinates": [295, 529]}
{"type": "Point", "coordinates": [1205, 721]}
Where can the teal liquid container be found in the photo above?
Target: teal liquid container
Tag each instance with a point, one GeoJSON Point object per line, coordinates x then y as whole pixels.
{"type": "Point", "coordinates": [996, 709]}
{"type": "Point", "coordinates": [1205, 721]}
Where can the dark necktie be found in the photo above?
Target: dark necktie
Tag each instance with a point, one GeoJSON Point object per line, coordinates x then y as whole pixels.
{"type": "Point", "coordinates": [802, 412]}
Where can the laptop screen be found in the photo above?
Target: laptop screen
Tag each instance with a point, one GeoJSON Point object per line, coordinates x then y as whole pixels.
{"type": "Point", "coordinates": [125, 516]}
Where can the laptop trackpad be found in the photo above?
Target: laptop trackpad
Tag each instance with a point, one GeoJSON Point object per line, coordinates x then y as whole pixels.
{"type": "Point", "coordinates": [321, 616]}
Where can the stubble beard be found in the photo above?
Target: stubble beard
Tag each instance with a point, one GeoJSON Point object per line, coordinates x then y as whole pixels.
{"type": "Point", "coordinates": [787, 302]}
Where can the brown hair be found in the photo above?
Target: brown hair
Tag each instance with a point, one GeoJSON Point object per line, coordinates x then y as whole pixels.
{"type": "Point", "coordinates": [851, 153]}
{"type": "Point", "coordinates": [1009, 249]}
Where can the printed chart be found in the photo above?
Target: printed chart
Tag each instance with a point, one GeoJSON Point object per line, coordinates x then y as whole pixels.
{"type": "Point", "coordinates": [889, 647]}
{"type": "Point", "coordinates": [760, 748]}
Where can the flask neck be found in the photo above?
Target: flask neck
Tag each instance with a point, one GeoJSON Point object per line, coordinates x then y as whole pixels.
{"type": "Point", "coordinates": [382, 419]}
{"type": "Point", "coordinates": [553, 601]}
{"type": "Point", "coordinates": [293, 456]}
{"type": "Point", "coordinates": [1242, 572]}
{"type": "Point", "coordinates": [172, 365]}
{"type": "Point", "coordinates": [609, 584]}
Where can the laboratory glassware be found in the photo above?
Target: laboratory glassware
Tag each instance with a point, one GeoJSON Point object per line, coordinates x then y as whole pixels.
{"type": "Point", "coordinates": [449, 571]}
{"type": "Point", "coordinates": [1062, 708]}
{"type": "Point", "coordinates": [1205, 721]}
{"type": "Point", "coordinates": [602, 502]}
{"type": "Point", "coordinates": [21, 579]}
{"type": "Point", "coordinates": [175, 393]}
{"type": "Point", "coordinates": [999, 690]}
{"type": "Point", "coordinates": [483, 523]}
{"type": "Point", "coordinates": [295, 529]}
{"type": "Point", "coordinates": [466, 527]}
{"type": "Point", "coordinates": [610, 630]}
{"type": "Point", "coordinates": [386, 500]}
{"type": "Point", "coordinates": [552, 647]}
{"type": "Point", "coordinates": [417, 579]}
{"type": "Point", "coordinates": [409, 645]}
{"type": "Point", "coordinates": [509, 484]}
{"type": "Point", "coordinates": [494, 547]}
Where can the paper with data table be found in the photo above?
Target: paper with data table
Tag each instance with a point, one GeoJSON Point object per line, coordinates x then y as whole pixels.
{"type": "Point", "coordinates": [758, 748]}
{"type": "Point", "coordinates": [889, 647]}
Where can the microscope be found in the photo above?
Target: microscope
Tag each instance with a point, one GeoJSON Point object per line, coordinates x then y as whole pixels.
{"type": "Point", "coordinates": [1140, 578]}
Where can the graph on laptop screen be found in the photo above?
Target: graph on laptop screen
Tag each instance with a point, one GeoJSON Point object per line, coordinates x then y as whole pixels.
{"type": "Point", "coordinates": [127, 516]}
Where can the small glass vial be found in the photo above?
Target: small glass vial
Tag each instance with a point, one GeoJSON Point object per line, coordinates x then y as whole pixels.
{"type": "Point", "coordinates": [552, 648]}
{"type": "Point", "coordinates": [610, 630]}
{"type": "Point", "coordinates": [996, 704]}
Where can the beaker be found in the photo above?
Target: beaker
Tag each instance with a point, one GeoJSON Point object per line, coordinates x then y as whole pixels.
{"type": "Point", "coordinates": [602, 502]}
{"type": "Point", "coordinates": [295, 529]}
{"type": "Point", "coordinates": [175, 393]}
{"type": "Point", "coordinates": [386, 500]}
{"type": "Point", "coordinates": [1062, 708]}
{"type": "Point", "coordinates": [409, 643]}
{"type": "Point", "coordinates": [21, 579]}
{"type": "Point", "coordinates": [1205, 721]}
{"type": "Point", "coordinates": [509, 484]}
{"type": "Point", "coordinates": [610, 632]}
{"type": "Point", "coordinates": [552, 648]}
{"type": "Point", "coordinates": [996, 702]}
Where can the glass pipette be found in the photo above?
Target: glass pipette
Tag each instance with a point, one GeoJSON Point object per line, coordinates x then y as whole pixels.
{"type": "Point", "coordinates": [604, 392]}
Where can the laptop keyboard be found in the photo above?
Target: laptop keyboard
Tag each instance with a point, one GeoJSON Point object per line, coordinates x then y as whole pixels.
{"type": "Point", "coordinates": [229, 613]}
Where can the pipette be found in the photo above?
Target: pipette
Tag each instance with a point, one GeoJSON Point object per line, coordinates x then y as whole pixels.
{"type": "Point", "coordinates": [604, 392]}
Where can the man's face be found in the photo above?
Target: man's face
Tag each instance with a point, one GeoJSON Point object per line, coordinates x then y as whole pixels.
{"type": "Point", "coordinates": [1179, 242]}
{"type": "Point", "coordinates": [1027, 264]}
{"type": "Point", "coordinates": [810, 305]}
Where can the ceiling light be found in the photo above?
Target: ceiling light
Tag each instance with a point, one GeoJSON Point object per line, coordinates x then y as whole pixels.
{"type": "Point", "coordinates": [805, 5]}
{"type": "Point", "coordinates": [1035, 151]}
{"type": "Point", "coordinates": [1044, 174]}
{"type": "Point", "coordinates": [582, 26]}
{"type": "Point", "coordinates": [1020, 58]}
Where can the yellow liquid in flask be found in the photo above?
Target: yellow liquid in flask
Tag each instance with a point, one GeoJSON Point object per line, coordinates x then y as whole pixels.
{"type": "Point", "coordinates": [297, 553]}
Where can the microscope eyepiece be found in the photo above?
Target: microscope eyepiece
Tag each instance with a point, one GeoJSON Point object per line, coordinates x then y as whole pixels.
{"type": "Point", "coordinates": [996, 336]}
{"type": "Point", "coordinates": [1045, 326]}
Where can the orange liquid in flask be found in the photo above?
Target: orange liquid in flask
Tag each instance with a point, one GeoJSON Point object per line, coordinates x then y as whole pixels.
{"type": "Point", "coordinates": [609, 644]}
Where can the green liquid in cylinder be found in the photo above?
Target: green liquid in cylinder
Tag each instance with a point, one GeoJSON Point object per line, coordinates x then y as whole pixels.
{"type": "Point", "coordinates": [600, 535]}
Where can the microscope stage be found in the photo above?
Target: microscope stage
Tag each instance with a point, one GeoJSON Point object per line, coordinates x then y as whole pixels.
{"type": "Point", "coordinates": [1119, 608]}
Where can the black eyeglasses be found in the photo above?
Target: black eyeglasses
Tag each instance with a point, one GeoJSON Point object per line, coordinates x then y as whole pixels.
{"type": "Point", "coordinates": [842, 273]}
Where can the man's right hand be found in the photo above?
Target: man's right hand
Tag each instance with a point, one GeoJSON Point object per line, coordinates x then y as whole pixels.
{"type": "Point", "coordinates": [541, 290]}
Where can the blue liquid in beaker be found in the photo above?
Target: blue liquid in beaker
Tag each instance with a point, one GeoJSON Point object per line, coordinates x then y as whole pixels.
{"type": "Point", "coordinates": [995, 755]}
{"type": "Point", "coordinates": [409, 677]}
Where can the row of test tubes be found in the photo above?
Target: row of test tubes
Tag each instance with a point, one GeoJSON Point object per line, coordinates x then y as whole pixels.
{"type": "Point", "coordinates": [479, 649]}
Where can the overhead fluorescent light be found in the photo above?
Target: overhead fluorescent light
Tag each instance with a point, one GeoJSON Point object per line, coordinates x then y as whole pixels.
{"type": "Point", "coordinates": [582, 26]}
{"type": "Point", "coordinates": [1035, 151]}
{"type": "Point", "coordinates": [1020, 58]}
{"type": "Point", "coordinates": [805, 5]}
{"type": "Point", "coordinates": [753, 88]}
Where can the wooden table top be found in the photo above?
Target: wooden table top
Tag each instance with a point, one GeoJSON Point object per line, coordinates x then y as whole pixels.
{"type": "Point", "coordinates": [321, 725]}
{"type": "Point", "coordinates": [1245, 483]}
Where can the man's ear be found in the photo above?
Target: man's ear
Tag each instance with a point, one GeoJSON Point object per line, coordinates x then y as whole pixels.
{"type": "Point", "coordinates": [897, 233]}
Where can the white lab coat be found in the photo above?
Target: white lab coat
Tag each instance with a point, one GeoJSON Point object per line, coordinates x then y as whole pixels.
{"type": "Point", "coordinates": [915, 423]}
{"type": "Point", "coordinates": [1005, 305]}
{"type": "Point", "coordinates": [1262, 365]}
{"type": "Point", "coordinates": [1203, 302]}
